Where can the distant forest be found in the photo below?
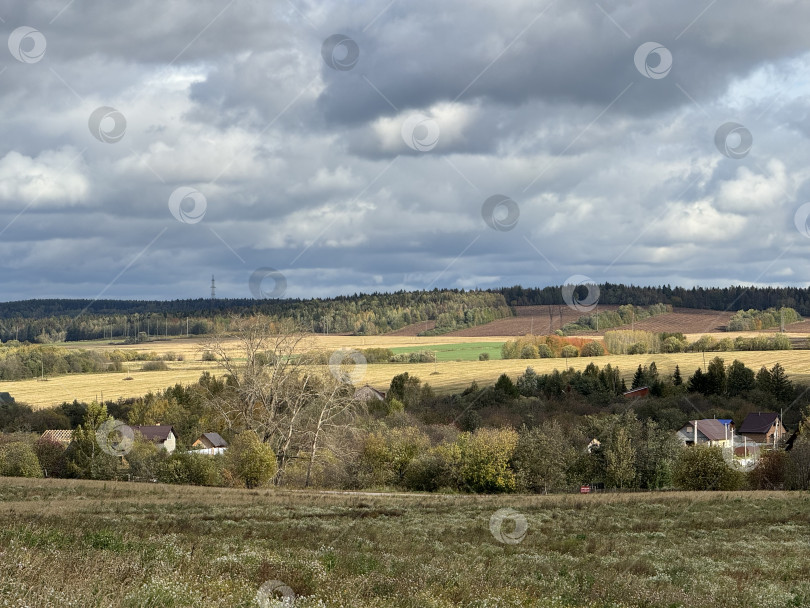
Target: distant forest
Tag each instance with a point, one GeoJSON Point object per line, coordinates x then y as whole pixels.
{"type": "Point", "coordinates": [364, 314]}
{"type": "Point", "coordinates": [45, 321]}
{"type": "Point", "coordinates": [711, 298]}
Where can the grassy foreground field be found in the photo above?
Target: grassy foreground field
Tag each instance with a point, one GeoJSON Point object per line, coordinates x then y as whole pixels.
{"type": "Point", "coordinates": [94, 544]}
{"type": "Point", "coordinates": [444, 376]}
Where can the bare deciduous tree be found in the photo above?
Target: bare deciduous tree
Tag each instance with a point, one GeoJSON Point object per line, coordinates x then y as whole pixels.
{"type": "Point", "coordinates": [274, 386]}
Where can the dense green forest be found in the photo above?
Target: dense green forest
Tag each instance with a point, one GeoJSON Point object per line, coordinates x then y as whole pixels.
{"type": "Point", "coordinates": [364, 314]}
{"type": "Point", "coordinates": [711, 298]}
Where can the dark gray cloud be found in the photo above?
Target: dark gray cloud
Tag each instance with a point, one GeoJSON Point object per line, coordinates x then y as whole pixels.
{"type": "Point", "coordinates": [373, 177]}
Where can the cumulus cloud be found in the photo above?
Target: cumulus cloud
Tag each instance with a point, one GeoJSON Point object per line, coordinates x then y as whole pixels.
{"type": "Point", "coordinates": [373, 176]}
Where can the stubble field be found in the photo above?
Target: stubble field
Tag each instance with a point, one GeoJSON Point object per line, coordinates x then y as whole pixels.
{"type": "Point", "coordinates": [96, 544]}
{"type": "Point", "coordinates": [444, 376]}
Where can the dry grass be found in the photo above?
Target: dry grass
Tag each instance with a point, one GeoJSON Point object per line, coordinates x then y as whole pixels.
{"type": "Point", "coordinates": [444, 376]}
{"type": "Point", "coordinates": [94, 544]}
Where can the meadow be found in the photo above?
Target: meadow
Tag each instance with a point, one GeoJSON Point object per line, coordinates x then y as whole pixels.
{"type": "Point", "coordinates": [464, 351]}
{"type": "Point", "coordinates": [97, 544]}
{"type": "Point", "coordinates": [445, 376]}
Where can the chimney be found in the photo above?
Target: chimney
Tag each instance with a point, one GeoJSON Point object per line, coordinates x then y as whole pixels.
{"type": "Point", "coordinates": [696, 440]}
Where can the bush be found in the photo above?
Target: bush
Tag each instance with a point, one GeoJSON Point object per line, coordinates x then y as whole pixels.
{"type": "Point", "coordinates": [529, 351]}
{"type": "Point", "coordinates": [483, 357]}
{"type": "Point", "coordinates": [51, 457]}
{"type": "Point", "coordinates": [18, 459]}
{"type": "Point", "coordinates": [770, 472]}
{"type": "Point", "coordinates": [592, 349]}
{"type": "Point", "coordinates": [479, 461]}
{"type": "Point", "coordinates": [544, 351]}
{"type": "Point", "coordinates": [193, 469]}
{"type": "Point", "coordinates": [704, 468]}
{"type": "Point", "coordinates": [250, 460]}
{"type": "Point", "coordinates": [569, 351]}
{"type": "Point", "coordinates": [208, 356]}
{"type": "Point", "coordinates": [154, 366]}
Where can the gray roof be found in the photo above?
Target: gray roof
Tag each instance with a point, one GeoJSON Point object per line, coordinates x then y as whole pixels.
{"type": "Point", "coordinates": [713, 429]}
{"type": "Point", "coordinates": [216, 440]}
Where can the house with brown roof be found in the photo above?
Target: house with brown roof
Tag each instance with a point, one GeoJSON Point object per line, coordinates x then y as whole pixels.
{"type": "Point", "coordinates": [163, 435]}
{"type": "Point", "coordinates": [764, 428]}
{"type": "Point", "coordinates": [709, 431]}
{"type": "Point", "coordinates": [60, 436]}
{"type": "Point", "coordinates": [641, 391]}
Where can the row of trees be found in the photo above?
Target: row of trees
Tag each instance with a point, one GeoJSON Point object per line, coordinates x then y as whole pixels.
{"type": "Point", "coordinates": [364, 314]}
{"type": "Point", "coordinates": [748, 320]}
{"type": "Point", "coordinates": [551, 346]}
{"type": "Point", "coordinates": [624, 315]}
{"type": "Point", "coordinates": [737, 297]}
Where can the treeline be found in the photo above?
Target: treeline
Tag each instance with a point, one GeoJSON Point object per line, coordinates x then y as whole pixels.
{"type": "Point", "coordinates": [624, 315]}
{"type": "Point", "coordinates": [748, 320]}
{"type": "Point", "coordinates": [24, 361]}
{"type": "Point", "coordinates": [710, 298]}
{"type": "Point", "coordinates": [362, 314]}
{"type": "Point", "coordinates": [548, 347]}
{"type": "Point", "coordinates": [638, 342]}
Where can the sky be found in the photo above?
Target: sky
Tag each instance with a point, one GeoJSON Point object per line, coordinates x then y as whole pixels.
{"type": "Point", "coordinates": [312, 149]}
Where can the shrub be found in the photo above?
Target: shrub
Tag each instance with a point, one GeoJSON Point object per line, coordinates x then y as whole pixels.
{"type": "Point", "coordinates": [569, 351]}
{"type": "Point", "coordinates": [208, 356]}
{"type": "Point", "coordinates": [545, 352]}
{"type": "Point", "coordinates": [154, 366]}
{"type": "Point", "coordinates": [194, 469]}
{"type": "Point", "coordinates": [770, 472]}
{"type": "Point", "coordinates": [51, 457]}
{"type": "Point", "coordinates": [529, 351]}
{"type": "Point", "coordinates": [704, 468]}
{"type": "Point", "coordinates": [483, 357]}
{"type": "Point", "coordinates": [250, 460]}
{"type": "Point", "coordinates": [18, 459]}
{"type": "Point", "coordinates": [592, 349]}
{"type": "Point", "coordinates": [479, 461]}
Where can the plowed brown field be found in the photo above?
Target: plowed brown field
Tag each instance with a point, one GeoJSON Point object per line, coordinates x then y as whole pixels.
{"type": "Point", "coordinates": [535, 319]}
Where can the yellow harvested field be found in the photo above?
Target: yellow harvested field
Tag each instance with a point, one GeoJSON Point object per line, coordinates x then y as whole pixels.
{"type": "Point", "coordinates": [445, 376]}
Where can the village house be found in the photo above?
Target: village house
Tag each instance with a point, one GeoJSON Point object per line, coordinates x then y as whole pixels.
{"type": "Point", "coordinates": [641, 391]}
{"type": "Point", "coordinates": [709, 431]}
{"type": "Point", "coordinates": [210, 443]}
{"type": "Point", "coordinates": [367, 393]}
{"type": "Point", "coordinates": [60, 436]}
{"type": "Point", "coordinates": [763, 428]}
{"type": "Point", "coordinates": [163, 435]}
